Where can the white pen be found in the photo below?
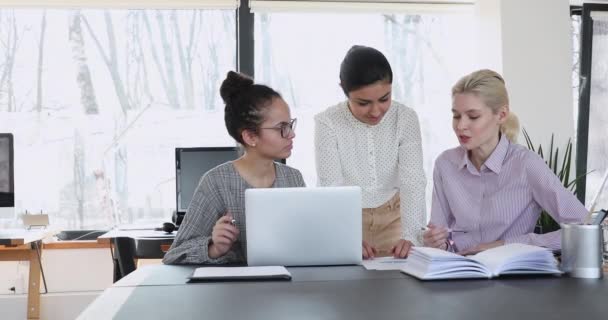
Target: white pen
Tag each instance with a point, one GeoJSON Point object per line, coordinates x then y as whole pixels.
{"type": "Point", "coordinates": [449, 230]}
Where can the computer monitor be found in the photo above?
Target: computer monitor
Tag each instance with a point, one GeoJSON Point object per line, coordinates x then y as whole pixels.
{"type": "Point", "coordinates": [190, 165]}
{"type": "Point", "coordinates": [7, 185]}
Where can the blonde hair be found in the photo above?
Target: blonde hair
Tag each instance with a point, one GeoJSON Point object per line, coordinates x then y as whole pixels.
{"type": "Point", "coordinates": [489, 86]}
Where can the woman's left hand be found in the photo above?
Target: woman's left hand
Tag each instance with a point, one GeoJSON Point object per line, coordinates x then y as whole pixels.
{"type": "Point", "coordinates": [481, 247]}
{"type": "Point", "coordinates": [401, 249]}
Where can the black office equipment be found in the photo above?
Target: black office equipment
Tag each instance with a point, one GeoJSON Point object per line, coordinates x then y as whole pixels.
{"type": "Point", "coordinates": [7, 184]}
{"type": "Point", "coordinates": [167, 227]}
{"type": "Point", "coordinates": [190, 165]}
{"type": "Point", "coordinates": [598, 216]}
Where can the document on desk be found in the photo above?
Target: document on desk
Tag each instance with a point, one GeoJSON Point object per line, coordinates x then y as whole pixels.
{"type": "Point", "coordinates": [384, 263]}
{"type": "Point", "coordinates": [240, 273]}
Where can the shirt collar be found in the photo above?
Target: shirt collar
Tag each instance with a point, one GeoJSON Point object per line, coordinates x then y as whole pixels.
{"type": "Point", "coordinates": [494, 161]}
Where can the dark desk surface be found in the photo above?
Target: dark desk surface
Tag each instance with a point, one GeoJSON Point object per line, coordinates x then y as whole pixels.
{"type": "Point", "coordinates": [349, 293]}
{"type": "Point", "coordinates": [163, 275]}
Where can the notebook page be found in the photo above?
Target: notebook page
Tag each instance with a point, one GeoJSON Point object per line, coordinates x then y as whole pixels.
{"type": "Point", "coordinates": [431, 263]}
{"type": "Point", "coordinates": [517, 258]}
{"type": "Point", "coordinates": [384, 263]}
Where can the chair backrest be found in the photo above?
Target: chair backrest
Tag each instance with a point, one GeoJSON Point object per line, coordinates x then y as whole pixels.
{"type": "Point", "coordinates": [124, 249]}
{"type": "Point", "coordinates": [128, 249]}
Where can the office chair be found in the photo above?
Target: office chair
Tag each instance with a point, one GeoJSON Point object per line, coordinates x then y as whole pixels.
{"type": "Point", "coordinates": [128, 249]}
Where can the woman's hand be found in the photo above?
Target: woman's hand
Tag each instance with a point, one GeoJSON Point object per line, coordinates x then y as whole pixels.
{"type": "Point", "coordinates": [435, 237]}
{"type": "Point", "coordinates": [481, 247]}
{"type": "Point", "coordinates": [223, 236]}
{"type": "Point", "coordinates": [368, 251]}
{"type": "Point", "coordinates": [401, 249]}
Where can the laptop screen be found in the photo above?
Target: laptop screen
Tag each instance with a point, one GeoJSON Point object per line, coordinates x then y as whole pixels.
{"type": "Point", "coordinates": [191, 164]}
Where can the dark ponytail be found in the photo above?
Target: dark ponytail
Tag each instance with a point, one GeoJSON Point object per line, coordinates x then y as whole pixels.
{"type": "Point", "coordinates": [363, 66]}
{"type": "Point", "coordinates": [244, 102]}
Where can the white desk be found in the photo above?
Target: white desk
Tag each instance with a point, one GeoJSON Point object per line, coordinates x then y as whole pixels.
{"type": "Point", "coordinates": [23, 245]}
{"type": "Point", "coordinates": [134, 234]}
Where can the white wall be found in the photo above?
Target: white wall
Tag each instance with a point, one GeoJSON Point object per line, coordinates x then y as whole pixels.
{"type": "Point", "coordinates": [530, 43]}
{"type": "Point", "coordinates": [75, 277]}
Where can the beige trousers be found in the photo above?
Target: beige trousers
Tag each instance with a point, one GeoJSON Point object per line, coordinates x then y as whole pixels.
{"type": "Point", "coordinates": [382, 225]}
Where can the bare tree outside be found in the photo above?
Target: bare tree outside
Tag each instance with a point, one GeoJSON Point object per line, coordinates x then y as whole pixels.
{"type": "Point", "coordinates": [9, 42]}
{"type": "Point", "coordinates": [40, 62]}
{"type": "Point", "coordinates": [102, 98]}
{"type": "Point", "coordinates": [79, 176]}
{"type": "Point", "coordinates": [83, 77]}
{"type": "Point", "coordinates": [110, 58]}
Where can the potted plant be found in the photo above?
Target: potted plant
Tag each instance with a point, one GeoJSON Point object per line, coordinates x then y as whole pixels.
{"type": "Point", "coordinates": [561, 167]}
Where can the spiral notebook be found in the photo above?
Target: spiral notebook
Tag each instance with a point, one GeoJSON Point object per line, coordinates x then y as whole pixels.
{"type": "Point", "coordinates": [240, 273]}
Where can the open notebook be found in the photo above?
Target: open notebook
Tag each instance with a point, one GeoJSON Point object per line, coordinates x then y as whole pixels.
{"type": "Point", "coordinates": [435, 264]}
{"type": "Point", "coordinates": [240, 273]}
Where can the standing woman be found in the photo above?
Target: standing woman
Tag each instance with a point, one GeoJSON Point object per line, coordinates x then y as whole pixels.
{"type": "Point", "coordinates": [373, 142]}
{"type": "Point", "coordinates": [490, 191]}
{"type": "Point", "coordinates": [259, 119]}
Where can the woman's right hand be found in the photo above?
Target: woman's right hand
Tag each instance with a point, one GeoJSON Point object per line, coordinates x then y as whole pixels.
{"type": "Point", "coordinates": [435, 237]}
{"type": "Point", "coordinates": [224, 234]}
{"type": "Point", "coordinates": [368, 251]}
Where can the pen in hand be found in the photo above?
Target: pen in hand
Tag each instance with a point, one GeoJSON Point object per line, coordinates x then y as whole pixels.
{"type": "Point", "coordinates": [449, 230]}
{"type": "Point", "coordinates": [232, 219]}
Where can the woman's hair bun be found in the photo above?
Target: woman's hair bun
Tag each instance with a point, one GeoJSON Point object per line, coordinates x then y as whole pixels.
{"type": "Point", "coordinates": [234, 84]}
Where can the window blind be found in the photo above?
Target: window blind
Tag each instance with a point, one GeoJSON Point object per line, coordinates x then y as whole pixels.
{"type": "Point", "coordinates": [122, 4]}
{"type": "Point", "coordinates": [362, 5]}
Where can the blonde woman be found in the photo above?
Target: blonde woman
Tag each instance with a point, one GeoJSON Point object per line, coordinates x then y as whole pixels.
{"type": "Point", "coordinates": [490, 191]}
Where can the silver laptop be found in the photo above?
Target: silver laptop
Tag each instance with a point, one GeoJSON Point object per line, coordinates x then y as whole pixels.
{"type": "Point", "coordinates": [303, 226]}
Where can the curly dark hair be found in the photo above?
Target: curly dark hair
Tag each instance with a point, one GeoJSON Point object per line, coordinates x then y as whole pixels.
{"type": "Point", "coordinates": [245, 102]}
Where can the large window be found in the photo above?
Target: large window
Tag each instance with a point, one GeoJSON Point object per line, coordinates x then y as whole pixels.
{"type": "Point", "coordinates": [97, 101]}
{"type": "Point", "coordinates": [592, 130]}
{"type": "Point", "coordinates": [299, 54]}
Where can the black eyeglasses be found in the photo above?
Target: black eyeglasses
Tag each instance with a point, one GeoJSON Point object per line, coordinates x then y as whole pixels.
{"type": "Point", "coordinates": [286, 127]}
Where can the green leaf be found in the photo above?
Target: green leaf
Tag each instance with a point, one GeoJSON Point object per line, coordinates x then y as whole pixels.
{"type": "Point", "coordinates": [566, 163]}
{"type": "Point", "coordinates": [551, 154]}
{"type": "Point", "coordinates": [561, 168]}
{"type": "Point", "coordinates": [528, 141]}
{"type": "Point", "coordinates": [555, 161]}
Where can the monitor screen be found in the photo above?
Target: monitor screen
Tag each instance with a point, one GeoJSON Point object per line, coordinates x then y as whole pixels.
{"type": "Point", "coordinates": [191, 164]}
{"type": "Point", "coordinates": [7, 192]}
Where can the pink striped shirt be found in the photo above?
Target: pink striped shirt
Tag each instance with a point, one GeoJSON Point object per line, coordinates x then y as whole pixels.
{"type": "Point", "coordinates": [503, 200]}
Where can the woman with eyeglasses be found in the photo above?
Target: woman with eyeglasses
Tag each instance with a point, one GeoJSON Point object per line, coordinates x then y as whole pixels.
{"type": "Point", "coordinates": [373, 142]}
{"type": "Point", "coordinates": [213, 228]}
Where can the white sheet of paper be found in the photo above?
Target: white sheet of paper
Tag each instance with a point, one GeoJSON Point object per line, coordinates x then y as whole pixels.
{"type": "Point", "coordinates": [384, 263]}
